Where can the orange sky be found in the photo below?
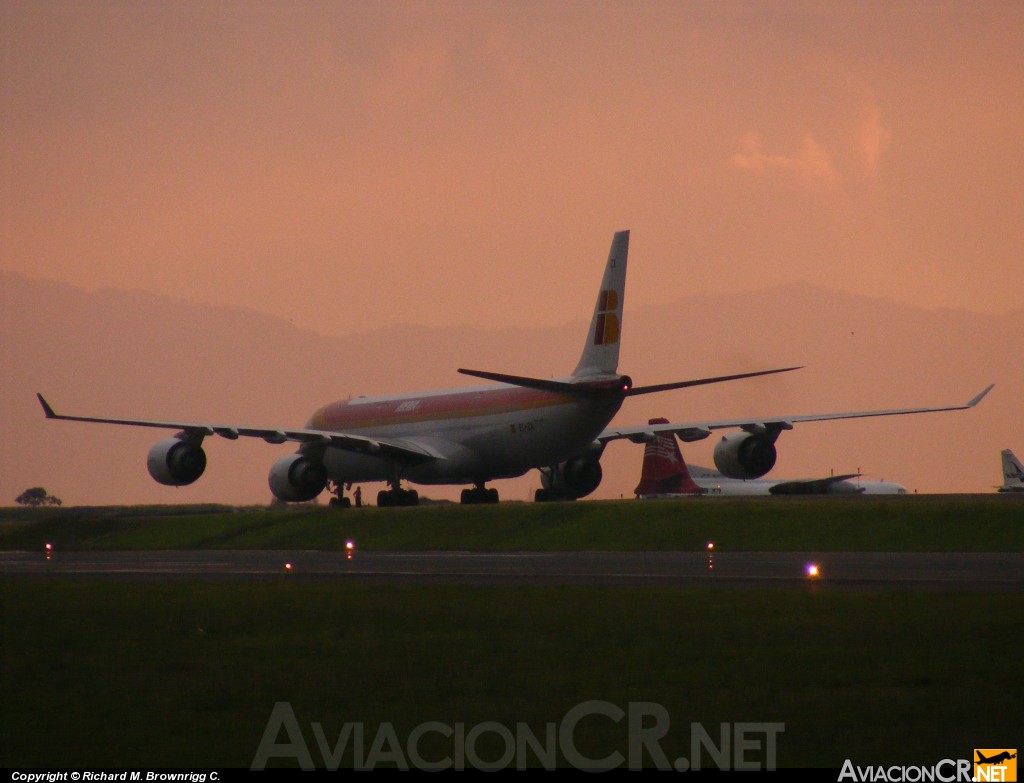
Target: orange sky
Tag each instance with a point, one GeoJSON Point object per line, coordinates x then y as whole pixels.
{"type": "Point", "coordinates": [359, 164]}
{"type": "Point", "coordinates": [356, 165]}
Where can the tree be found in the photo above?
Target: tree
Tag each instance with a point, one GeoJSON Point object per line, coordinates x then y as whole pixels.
{"type": "Point", "coordinates": [36, 496]}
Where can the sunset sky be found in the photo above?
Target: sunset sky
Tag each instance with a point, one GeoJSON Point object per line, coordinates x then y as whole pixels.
{"type": "Point", "coordinates": [357, 164]}
{"type": "Point", "coordinates": [353, 166]}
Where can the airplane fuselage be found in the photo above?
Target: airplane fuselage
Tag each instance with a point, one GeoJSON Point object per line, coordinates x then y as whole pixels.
{"type": "Point", "coordinates": [476, 434]}
{"type": "Point", "coordinates": [717, 484]}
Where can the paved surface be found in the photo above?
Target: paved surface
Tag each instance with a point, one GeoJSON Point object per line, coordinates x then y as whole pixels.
{"type": "Point", "coordinates": [844, 570]}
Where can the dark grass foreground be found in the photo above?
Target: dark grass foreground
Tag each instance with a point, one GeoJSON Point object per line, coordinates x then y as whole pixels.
{"type": "Point", "coordinates": [100, 674]}
{"type": "Point", "coordinates": [936, 523]}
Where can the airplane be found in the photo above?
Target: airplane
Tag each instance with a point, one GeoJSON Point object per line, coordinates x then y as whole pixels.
{"type": "Point", "coordinates": [996, 759]}
{"type": "Point", "coordinates": [666, 475]}
{"type": "Point", "coordinates": [1013, 473]}
{"type": "Point", "coordinates": [478, 434]}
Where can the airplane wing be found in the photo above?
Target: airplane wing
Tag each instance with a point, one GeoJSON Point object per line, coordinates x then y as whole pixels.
{"type": "Point", "coordinates": [820, 486]}
{"type": "Point", "coordinates": [689, 432]}
{"type": "Point", "coordinates": [395, 449]}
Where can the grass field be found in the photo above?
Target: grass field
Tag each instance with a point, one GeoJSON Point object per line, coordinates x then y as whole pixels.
{"type": "Point", "coordinates": [187, 674]}
{"type": "Point", "coordinates": [100, 673]}
{"type": "Point", "coordinates": [928, 523]}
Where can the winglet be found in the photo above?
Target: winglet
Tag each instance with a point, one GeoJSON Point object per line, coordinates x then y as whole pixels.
{"type": "Point", "coordinates": [978, 399]}
{"type": "Point", "coordinates": [46, 407]}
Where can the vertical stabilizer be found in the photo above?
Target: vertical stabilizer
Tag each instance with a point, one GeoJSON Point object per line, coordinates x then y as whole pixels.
{"type": "Point", "coordinates": [601, 350]}
{"type": "Point", "coordinates": [1013, 473]}
{"type": "Point", "coordinates": [664, 472]}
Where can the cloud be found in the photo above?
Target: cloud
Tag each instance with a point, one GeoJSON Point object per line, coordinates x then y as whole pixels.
{"type": "Point", "coordinates": [874, 138]}
{"type": "Point", "coordinates": [860, 150]}
{"type": "Point", "coordinates": [812, 163]}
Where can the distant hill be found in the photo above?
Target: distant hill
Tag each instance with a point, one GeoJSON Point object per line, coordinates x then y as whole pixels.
{"type": "Point", "coordinates": [136, 354]}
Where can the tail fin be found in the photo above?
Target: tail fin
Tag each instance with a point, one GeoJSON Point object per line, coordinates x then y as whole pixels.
{"type": "Point", "coordinates": [1013, 471]}
{"type": "Point", "coordinates": [664, 472]}
{"type": "Point", "coordinates": [601, 350]}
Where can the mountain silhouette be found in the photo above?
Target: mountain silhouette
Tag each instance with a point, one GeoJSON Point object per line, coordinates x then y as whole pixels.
{"type": "Point", "coordinates": [137, 354]}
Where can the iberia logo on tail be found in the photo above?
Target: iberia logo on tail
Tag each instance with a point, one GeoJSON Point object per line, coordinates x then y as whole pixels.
{"type": "Point", "coordinates": [607, 329]}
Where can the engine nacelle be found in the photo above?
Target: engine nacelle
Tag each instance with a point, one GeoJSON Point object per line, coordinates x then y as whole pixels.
{"type": "Point", "coordinates": [574, 478]}
{"type": "Point", "coordinates": [297, 478]}
{"type": "Point", "coordinates": [176, 462]}
{"type": "Point", "coordinates": [745, 455]}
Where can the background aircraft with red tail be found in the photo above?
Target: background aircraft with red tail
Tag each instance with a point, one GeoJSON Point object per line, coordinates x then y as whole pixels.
{"type": "Point", "coordinates": [470, 436]}
{"type": "Point", "coordinates": [666, 475]}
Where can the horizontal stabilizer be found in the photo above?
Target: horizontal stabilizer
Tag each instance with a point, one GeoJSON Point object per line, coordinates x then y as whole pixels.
{"type": "Point", "coordinates": [702, 381]}
{"type": "Point", "coordinates": [621, 384]}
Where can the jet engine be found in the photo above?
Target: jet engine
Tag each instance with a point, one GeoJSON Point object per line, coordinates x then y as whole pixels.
{"type": "Point", "coordinates": [574, 478]}
{"type": "Point", "coordinates": [176, 462]}
{"type": "Point", "coordinates": [297, 478]}
{"type": "Point", "coordinates": [745, 455]}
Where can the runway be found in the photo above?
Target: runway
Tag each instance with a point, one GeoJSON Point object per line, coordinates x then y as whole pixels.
{"type": "Point", "coordinates": [840, 570]}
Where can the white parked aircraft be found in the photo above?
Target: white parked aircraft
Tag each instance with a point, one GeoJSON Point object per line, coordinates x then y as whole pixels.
{"type": "Point", "coordinates": [666, 475]}
{"type": "Point", "coordinates": [1013, 473]}
{"type": "Point", "coordinates": [475, 435]}
{"type": "Point", "coordinates": [846, 484]}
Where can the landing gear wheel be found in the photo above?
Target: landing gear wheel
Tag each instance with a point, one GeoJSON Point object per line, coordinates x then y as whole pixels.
{"type": "Point", "coordinates": [338, 499]}
{"type": "Point", "coordinates": [479, 495]}
{"type": "Point", "coordinates": [398, 497]}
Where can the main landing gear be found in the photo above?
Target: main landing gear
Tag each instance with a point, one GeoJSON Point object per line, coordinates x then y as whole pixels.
{"type": "Point", "coordinates": [479, 494]}
{"type": "Point", "coordinates": [398, 497]}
